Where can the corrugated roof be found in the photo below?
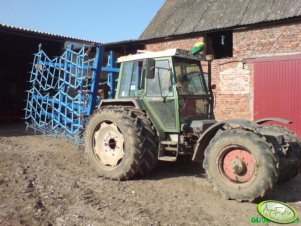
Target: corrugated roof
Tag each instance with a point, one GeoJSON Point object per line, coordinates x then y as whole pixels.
{"type": "Point", "coordinates": [49, 35]}
{"type": "Point", "coordinates": [124, 42]}
{"type": "Point", "coordinates": [177, 17]}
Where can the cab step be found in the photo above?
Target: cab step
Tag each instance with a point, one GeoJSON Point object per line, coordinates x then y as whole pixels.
{"type": "Point", "coordinates": [169, 142]}
{"type": "Point", "coordinates": [171, 149]}
{"type": "Point", "coordinates": [168, 151]}
{"type": "Point", "coordinates": [168, 158]}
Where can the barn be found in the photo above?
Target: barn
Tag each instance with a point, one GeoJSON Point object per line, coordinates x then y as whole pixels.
{"type": "Point", "coordinates": [18, 46]}
{"type": "Point", "coordinates": [256, 46]}
{"type": "Point", "coordinates": [257, 52]}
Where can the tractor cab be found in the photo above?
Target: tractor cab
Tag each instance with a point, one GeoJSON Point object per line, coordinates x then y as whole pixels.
{"type": "Point", "coordinates": [169, 85]}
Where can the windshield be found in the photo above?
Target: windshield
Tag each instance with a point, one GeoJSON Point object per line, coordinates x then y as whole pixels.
{"type": "Point", "coordinates": [189, 76]}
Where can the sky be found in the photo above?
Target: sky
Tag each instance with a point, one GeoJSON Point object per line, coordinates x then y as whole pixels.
{"type": "Point", "coordinates": [96, 20]}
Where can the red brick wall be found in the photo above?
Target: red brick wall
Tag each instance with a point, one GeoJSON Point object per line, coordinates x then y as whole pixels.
{"type": "Point", "coordinates": [185, 43]}
{"type": "Point", "coordinates": [267, 40]}
{"type": "Point", "coordinates": [234, 89]}
{"type": "Point", "coordinates": [234, 79]}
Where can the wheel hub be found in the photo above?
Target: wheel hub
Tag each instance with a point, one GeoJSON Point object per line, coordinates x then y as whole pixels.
{"type": "Point", "coordinates": [112, 143]}
{"type": "Point", "coordinates": [238, 165]}
{"type": "Point", "coordinates": [108, 145]}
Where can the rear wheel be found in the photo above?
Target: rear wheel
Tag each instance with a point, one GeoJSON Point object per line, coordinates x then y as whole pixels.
{"type": "Point", "coordinates": [120, 142]}
{"type": "Point", "coordinates": [240, 165]}
{"type": "Point", "coordinates": [288, 150]}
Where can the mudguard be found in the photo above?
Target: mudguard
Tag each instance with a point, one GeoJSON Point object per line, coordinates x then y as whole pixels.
{"type": "Point", "coordinates": [281, 120]}
{"type": "Point", "coordinates": [206, 137]}
{"type": "Point", "coordinates": [123, 102]}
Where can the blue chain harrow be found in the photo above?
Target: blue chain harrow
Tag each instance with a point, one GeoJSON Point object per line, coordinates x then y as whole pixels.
{"type": "Point", "coordinates": [64, 90]}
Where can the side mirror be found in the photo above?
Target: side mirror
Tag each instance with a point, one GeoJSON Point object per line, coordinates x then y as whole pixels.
{"type": "Point", "coordinates": [213, 86]}
{"type": "Point", "coordinates": [149, 67]}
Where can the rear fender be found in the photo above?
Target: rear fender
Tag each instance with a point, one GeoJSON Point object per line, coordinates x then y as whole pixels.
{"type": "Point", "coordinates": [281, 120]}
{"type": "Point", "coordinates": [206, 137]}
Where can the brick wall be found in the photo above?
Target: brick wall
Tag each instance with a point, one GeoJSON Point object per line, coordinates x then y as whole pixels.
{"type": "Point", "coordinates": [267, 40]}
{"type": "Point", "coordinates": [234, 89]}
{"type": "Point", "coordinates": [233, 78]}
{"type": "Point", "coordinates": [184, 43]}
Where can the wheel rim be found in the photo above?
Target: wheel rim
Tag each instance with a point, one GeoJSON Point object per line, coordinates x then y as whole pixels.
{"type": "Point", "coordinates": [108, 145]}
{"type": "Point", "coordinates": [237, 165]}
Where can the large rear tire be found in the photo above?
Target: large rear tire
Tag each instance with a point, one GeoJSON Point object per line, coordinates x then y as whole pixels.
{"type": "Point", "coordinates": [288, 151]}
{"type": "Point", "coordinates": [120, 142]}
{"type": "Point", "coordinates": [241, 165]}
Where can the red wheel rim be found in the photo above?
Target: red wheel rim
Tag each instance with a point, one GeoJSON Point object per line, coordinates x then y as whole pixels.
{"type": "Point", "coordinates": [237, 165]}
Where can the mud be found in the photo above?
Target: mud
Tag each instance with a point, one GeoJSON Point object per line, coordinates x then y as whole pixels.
{"type": "Point", "coordinates": [47, 181]}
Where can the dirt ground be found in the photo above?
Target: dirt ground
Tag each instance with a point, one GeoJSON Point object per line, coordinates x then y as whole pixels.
{"type": "Point", "coordinates": [47, 181]}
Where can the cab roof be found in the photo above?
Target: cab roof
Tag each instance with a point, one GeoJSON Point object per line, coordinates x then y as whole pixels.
{"type": "Point", "coordinates": [166, 53]}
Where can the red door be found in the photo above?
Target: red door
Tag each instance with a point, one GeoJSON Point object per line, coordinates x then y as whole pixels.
{"type": "Point", "coordinates": [277, 89]}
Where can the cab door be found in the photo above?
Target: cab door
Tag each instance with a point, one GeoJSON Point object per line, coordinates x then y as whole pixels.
{"type": "Point", "coordinates": [159, 99]}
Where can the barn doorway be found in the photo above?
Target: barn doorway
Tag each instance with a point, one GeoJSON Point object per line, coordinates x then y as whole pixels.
{"type": "Point", "coordinates": [16, 56]}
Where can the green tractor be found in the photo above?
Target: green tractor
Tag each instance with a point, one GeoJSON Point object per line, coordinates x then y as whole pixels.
{"type": "Point", "coordinates": [163, 109]}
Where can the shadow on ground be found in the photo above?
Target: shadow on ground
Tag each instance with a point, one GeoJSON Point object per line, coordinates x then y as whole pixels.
{"type": "Point", "coordinates": [14, 129]}
{"type": "Point", "coordinates": [287, 192]}
{"type": "Point", "coordinates": [175, 169]}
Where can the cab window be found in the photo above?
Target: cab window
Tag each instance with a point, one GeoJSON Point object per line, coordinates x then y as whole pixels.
{"type": "Point", "coordinates": [161, 84]}
{"type": "Point", "coordinates": [189, 77]}
{"type": "Point", "coordinates": [131, 79]}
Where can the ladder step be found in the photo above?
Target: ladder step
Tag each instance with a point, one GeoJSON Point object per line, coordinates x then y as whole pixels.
{"type": "Point", "coordinates": [169, 142]}
{"type": "Point", "coordinates": [170, 149]}
{"type": "Point", "coordinates": [168, 158]}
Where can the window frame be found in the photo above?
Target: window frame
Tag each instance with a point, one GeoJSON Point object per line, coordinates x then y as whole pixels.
{"type": "Point", "coordinates": [201, 78]}
{"type": "Point", "coordinates": [138, 77]}
{"type": "Point", "coordinates": [159, 81]}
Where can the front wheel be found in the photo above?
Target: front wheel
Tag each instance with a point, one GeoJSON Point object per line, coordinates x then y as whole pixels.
{"type": "Point", "coordinates": [120, 142]}
{"type": "Point", "coordinates": [240, 165]}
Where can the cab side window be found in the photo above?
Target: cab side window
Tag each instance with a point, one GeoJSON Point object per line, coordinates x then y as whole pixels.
{"type": "Point", "coordinates": [131, 80]}
{"type": "Point", "coordinates": [161, 84]}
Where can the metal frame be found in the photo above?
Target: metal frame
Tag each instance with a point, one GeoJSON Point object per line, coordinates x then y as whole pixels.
{"type": "Point", "coordinates": [64, 91]}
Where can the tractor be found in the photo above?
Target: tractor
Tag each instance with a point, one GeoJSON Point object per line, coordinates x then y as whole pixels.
{"type": "Point", "coordinates": [163, 109]}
